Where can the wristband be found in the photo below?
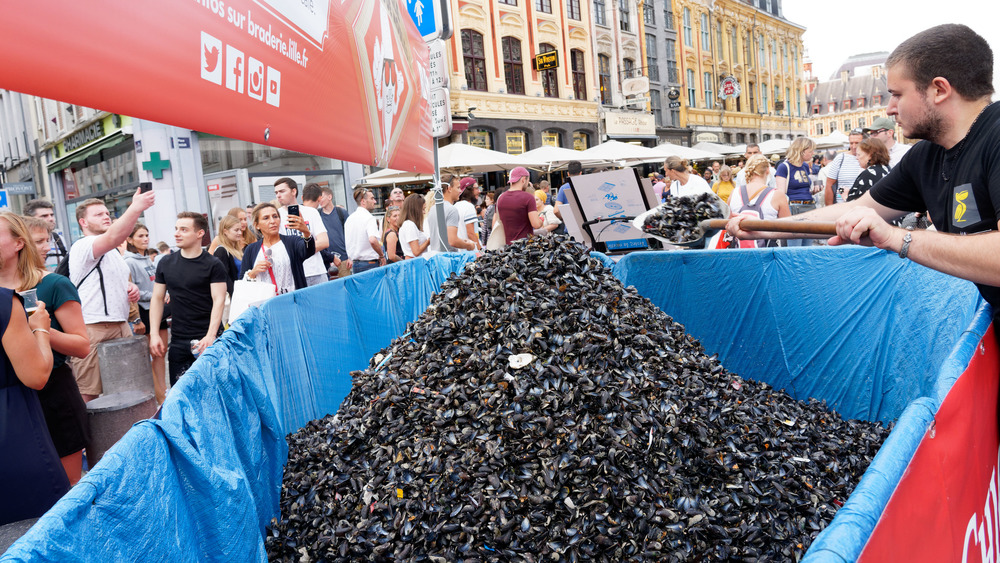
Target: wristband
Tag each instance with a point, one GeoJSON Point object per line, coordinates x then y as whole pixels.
{"type": "Point", "coordinates": [34, 330]}
{"type": "Point", "coordinates": [905, 249]}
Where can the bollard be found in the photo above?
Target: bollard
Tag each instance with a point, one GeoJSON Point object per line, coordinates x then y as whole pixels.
{"type": "Point", "coordinates": [111, 416]}
{"type": "Point", "coordinates": [125, 365]}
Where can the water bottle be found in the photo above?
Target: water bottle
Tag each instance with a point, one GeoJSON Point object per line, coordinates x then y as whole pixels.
{"type": "Point", "coordinates": [194, 348]}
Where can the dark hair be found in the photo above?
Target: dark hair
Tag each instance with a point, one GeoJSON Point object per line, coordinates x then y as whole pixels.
{"type": "Point", "coordinates": [311, 192]}
{"type": "Point", "coordinates": [951, 51]}
{"type": "Point", "coordinates": [752, 145]}
{"type": "Point", "coordinates": [326, 190]}
{"type": "Point", "coordinates": [447, 179]}
{"type": "Point", "coordinates": [36, 204]}
{"type": "Point", "coordinates": [574, 167]}
{"type": "Point", "coordinates": [151, 251]}
{"type": "Point", "coordinates": [292, 184]}
{"type": "Point", "coordinates": [200, 222]}
{"type": "Point", "coordinates": [413, 210]}
{"type": "Point", "coordinates": [138, 227]}
{"type": "Point", "coordinates": [876, 150]}
{"type": "Point", "coordinates": [468, 194]}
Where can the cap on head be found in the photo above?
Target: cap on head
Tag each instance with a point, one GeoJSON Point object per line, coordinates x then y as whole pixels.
{"type": "Point", "coordinates": [467, 183]}
{"type": "Point", "coordinates": [775, 158]}
{"type": "Point", "coordinates": [517, 174]}
{"type": "Point", "coordinates": [881, 123]}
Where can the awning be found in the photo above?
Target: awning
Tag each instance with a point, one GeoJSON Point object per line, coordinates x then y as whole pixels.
{"type": "Point", "coordinates": [89, 151]}
{"type": "Point", "coordinates": [630, 137]}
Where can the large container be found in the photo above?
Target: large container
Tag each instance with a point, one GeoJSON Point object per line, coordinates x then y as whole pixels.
{"type": "Point", "coordinates": [859, 328]}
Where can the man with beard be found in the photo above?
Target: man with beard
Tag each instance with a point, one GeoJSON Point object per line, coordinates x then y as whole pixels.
{"type": "Point", "coordinates": [100, 274]}
{"type": "Point", "coordinates": [940, 82]}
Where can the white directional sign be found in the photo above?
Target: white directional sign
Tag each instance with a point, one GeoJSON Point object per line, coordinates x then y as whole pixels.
{"type": "Point", "coordinates": [432, 17]}
{"type": "Point", "coordinates": [438, 64]}
{"type": "Point", "coordinates": [440, 112]}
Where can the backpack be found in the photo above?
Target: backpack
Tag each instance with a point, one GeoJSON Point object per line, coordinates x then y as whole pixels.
{"type": "Point", "coordinates": [63, 270]}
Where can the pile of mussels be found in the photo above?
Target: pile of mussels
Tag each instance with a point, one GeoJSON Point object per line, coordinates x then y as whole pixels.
{"type": "Point", "coordinates": [540, 411]}
{"type": "Point", "coordinates": [676, 220]}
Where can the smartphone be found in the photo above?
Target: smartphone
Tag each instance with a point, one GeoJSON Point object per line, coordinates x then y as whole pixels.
{"type": "Point", "coordinates": [145, 187]}
{"type": "Point", "coordinates": [293, 210]}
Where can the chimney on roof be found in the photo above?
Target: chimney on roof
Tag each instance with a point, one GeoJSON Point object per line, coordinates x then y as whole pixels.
{"type": "Point", "coordinates": [877, 71]}
{"type": "Point", "coordinates": [844, 75]}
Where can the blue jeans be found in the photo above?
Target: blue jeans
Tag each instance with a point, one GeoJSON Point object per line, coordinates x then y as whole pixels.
{"type": "Point", "coordinates": [797, 208]}
{"type": "Point", "coordinates": [359, 267]}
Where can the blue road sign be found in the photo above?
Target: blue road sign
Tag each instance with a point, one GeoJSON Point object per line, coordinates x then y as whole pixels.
{"type": "Point", "coordinates": [432, 18]}
{"type": "Point", "coordinates": [3, 199]}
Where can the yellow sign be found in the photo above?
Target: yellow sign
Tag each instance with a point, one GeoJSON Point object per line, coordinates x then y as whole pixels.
{"type": "Point", "coordinates": [480, 139]}
{"type": "Point", "coordinates": [546, 61]}
{"type": "Point", "coordinates": [515, 143]}
{"type": "Point", "coordinates": [550, 139]}
{"type": "Point", "coordinates": [580, 141]}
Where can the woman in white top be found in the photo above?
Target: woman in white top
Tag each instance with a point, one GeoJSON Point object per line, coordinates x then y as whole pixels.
{"type": "Point", "coordinates": [549, 220]}
{"type": "Point", "coordinates": [756, 200]}
{"type": "Point", "coordinates": [682, 182]}
{"type": "Point", "coordinates": [466, 207]}
{"type": "Point", "coordinates": [413, 240]}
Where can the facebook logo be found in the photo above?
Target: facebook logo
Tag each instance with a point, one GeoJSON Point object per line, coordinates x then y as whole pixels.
{"type": "Point", "coordinates": [235, 69]}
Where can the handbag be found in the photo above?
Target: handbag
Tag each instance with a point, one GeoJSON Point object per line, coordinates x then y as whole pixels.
{"type": "Point", "coordinates": [250, 293]}
{"type": "Point", "coordinates": [498, 239]}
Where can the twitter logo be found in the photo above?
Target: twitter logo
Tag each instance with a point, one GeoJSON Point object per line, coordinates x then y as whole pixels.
{"type": "Point", "coordinates": [211, 48]}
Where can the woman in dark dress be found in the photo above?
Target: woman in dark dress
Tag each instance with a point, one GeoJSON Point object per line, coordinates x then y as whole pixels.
{"type": "Point", "coordinates": [390, 237]}
{"type": "Point", "coordinates": [31, 477]}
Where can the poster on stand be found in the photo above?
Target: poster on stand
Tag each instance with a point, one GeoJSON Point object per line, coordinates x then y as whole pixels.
{"type": "Point", "coordinates": [345, 80]}
{"type": "Point", "coordinates": [947, 505]}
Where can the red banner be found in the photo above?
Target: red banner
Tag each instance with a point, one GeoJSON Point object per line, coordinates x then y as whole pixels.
{"type": "Point", "coordinates": [346, 80]}
{"type": "Point", "coordinates": [946, 506]}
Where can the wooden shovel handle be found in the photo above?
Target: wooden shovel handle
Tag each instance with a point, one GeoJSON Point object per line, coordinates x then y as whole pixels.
{"type": "Point", "coordinates": [804, 227]}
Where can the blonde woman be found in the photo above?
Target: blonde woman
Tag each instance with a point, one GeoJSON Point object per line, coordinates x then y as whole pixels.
{"type": "Point", "coordinates": [756, 200]}
{"type": "Point", "coordinates": [65, 413]}
{"type": "Point", "coordinates": [230, 250]}
{"type": "Point", "coordinates": [724, 187]}
{"type": "Point", "coordinates": [246, 234]}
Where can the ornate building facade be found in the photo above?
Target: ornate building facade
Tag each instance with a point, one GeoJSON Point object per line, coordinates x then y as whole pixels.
{"type": "Point", "coordinates": [746, 43]}
{"type": "Point", "coordinates": [511, 105]}
{"type": "Point", "coordinates": [853, 97]}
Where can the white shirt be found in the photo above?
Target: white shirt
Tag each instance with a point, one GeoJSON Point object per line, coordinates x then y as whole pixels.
{"type": "Point", "coordinates": [281, 266]}
{"type": "Point", "coordinates": [467, 211]}
{"type": "Point", "coordinates": [696, 185]}
{"type": "Point", "coordinates": [313, 266]}
{"type": "Point", "coordinates": [410, 233]}
{"type": "Point", "coordinates": [115, 272]}
{"type": "Point", "coordinates": [896, 153]}
{"type": "Point", "coordinates": [844, 169]}
{"type": "Point", "coordinates": [358, 227]}
{"type": "Point", "coordinates": [451, 219]}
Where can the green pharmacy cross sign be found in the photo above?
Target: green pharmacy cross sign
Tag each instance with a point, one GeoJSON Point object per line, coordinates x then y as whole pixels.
{"type": "Point", "coordinates": [156, 165]}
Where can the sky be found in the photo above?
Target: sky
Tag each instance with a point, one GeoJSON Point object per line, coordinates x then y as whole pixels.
{"type": "Point", "coordinates": [851, 27]}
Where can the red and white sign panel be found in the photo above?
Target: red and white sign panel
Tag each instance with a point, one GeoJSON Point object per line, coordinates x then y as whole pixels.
{"type": "Point", "coordinates": [346, 80]}
{"type": "Point", "coordinates": [946, 506]}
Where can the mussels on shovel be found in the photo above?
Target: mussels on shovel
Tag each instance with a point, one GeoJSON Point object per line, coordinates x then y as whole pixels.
{"type": "Point", "coordinates": [676, 221]}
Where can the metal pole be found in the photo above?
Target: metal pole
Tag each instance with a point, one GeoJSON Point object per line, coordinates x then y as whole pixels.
{"type": "Point", "coordinates": [442, 242]}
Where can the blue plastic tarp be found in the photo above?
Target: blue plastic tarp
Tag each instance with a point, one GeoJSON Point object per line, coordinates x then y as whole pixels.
{"type": "Point", "coordinates": [858, 327]}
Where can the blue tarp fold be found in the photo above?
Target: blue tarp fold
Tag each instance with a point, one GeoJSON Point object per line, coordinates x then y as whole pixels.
{"type": "Point", "coordinates": [860, 328]}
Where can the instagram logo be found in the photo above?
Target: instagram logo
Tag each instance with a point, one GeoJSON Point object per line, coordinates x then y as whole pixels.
{"type": "Point", "coordinates": [255, 85]}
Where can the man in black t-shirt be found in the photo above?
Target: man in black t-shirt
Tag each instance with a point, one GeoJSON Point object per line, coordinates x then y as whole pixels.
{"type": "Point", "coordinates": [940, 82]}
{"type": "Point", "coordinates": [196, 281]}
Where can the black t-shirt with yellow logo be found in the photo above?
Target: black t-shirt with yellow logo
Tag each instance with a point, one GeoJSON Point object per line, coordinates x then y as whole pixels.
{"type": "Point", "coordinates": [958, 187]}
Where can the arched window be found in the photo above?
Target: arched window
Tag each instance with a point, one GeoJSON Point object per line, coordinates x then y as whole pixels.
{"type": "Point", "coordinates": [579, 74]}
{"type": "Point", "coordinates": [481, 138]}
{"type": "Point", "coordinates": [550, 79]}
{"type": "Point", "coordinates": [475, 59]}
{"type": "Point", "coordinates": [512, 65]}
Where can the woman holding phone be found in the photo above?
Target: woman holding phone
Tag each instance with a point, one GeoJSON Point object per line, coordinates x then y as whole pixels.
{"type": "Point", "coordinates": [31, 476]}
{"type": "Point", "coordinates": [276, 258]}
{"type": "Point", "coordinates": [62, 405]}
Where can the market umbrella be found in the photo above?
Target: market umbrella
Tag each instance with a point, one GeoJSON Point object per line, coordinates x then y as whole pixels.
{"type": "Point", "coordinates": [687, 153]}
{"type": "Point", "coordinates": [835, 140]}
{"type": "Point", "coordinates": [724, 150]}
{"type": "Point", "coordinates": [464, 159]}
{"type": "Point", "coordinates": [775, 146]}
{"type": "Point", "coordinates": [554, 158]}
{"type": "Point", "coordinates": [624, 153]}
{"type": "Point", "coordinates": [389, 176]}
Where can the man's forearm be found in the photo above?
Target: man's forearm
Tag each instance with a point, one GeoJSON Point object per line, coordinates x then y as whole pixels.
{"type": "Point", "coordinates": [155, 313]}
{"type": "Point", "coordinates": [218, 304]}
{"type": "Point", "coordinates": [376, 246]}
{"type": "Point", "coordinates": [972, 257]}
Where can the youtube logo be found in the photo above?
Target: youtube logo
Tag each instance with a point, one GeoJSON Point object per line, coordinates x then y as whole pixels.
{"type": "Point", "coordinates": [226, 65]}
